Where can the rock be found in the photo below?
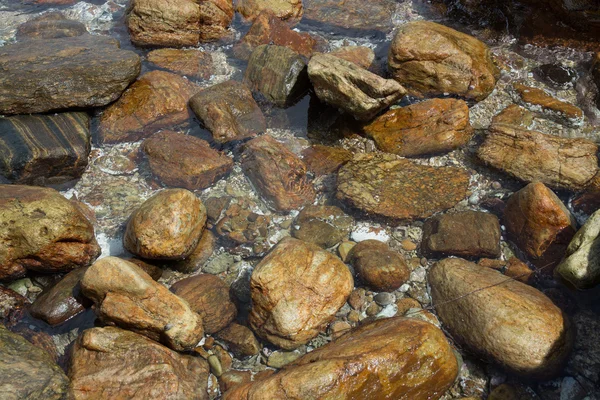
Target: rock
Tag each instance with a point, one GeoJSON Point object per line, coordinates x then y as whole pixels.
{"type": "Point", "coordinates": [344, 249]}
{"type": "Point", "coordinates": [296, 291]}
{"type": "Point", "coordinates": [278, 73]}
{"type": "Point", "coordinates": [240, 340]}
{"type": "Point", "coordinates": [166, 226]}
{"type": "Point", "coordinates": [561, 163]}
{"type": "Point", "coordinates": [359, 17]}
{"type": "Point", "coordinates": [511, 324]}
{"type": "Point", "coordinates": [27, 372]}
{"type": "Point", "coordinates": [323, 160]}
{"type": "Point", "coordinates": [384, 299]}
{"type": "Point", "coordinates": [192, 63]}
{"type": "Point", "coordinates": [128, 297]}
{"type": "Point", "coordinates": [39, 339]}
{"type": "Point", "coordinates": [178, 23]}
{"type": "Point", "coordinates": [548, 107]}
{"type": "Point", "coordinates": [42, 231]}
{"type": "Point", "coordinates": [269, 29]}
{"type": "Point", "coordinates": [109, 363]}
{"type": "Point", "coordinates": [514, 115]}
{"type": "Point", "coordinates": [282, 9]}
{"type": "Point", "coordinates": [557, 76]}
{"type": "Point", "coordinates": [354, 90]}
{"type": "Point", "coordinates": [199, 256]}
{"type": "Point", "coordinates": [61, 301]}
{"type": "Point", "coordinates": [44, 149]}
{"type": "Point", "coordinates": [464, 234]}
{"type": "Point", "coordinates": [277, 173]}
{"type": "Point", "coordinates": [57, 74]}
{"type": "Point", "coordinates": [324, 226]}
{"type": "Point", "coordinates": [431, 60]}
{"type": "Point", "coordinates": [513, 268]}
{"type": "Point", "coordinates": [408, 245]}
{"type": "Point", "coordinates": [228, 111]}
{"type": "Point", "coordinates": [12, 307]}
{"type": "Point", "coordinates": [537, 221]}
{"type": "Point", "coordinates": [181, 160]}
{"type": "Point", "coordinates": [381, 268]}
{"type": "Point", "coordinates": [240, 224]}
{"type": "Point", "coordinates": [52, 25]}
{"type": "Point", "coordinates": [596, 76]}
{"type": "Point", "coordinates": [580, 266]}
{"type": "Point", "coordinates": [209, 297]}
{"type": "Point", "coordinates": [392, 358]}
{"type": "Point", "coordinates": [279, 359]}
{"type": "Point", "coordinates": [362, 56]}
{"type": "Point", "coordinates": [233, 378]}
{"type": "Point", "coordinates": [157, 100]}
{"type": "Point", "coordinates": [430, 127]}
{"type": "Point", "coordinates": [152, 270]}
{"type": "Point", "coordinates": [371, 183]}
{"type": "Point", "coordinates": [219, 264]}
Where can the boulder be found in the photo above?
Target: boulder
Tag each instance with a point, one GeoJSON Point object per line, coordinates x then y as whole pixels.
{"type": "Point", "coordinates": [378, 266]}
{"type": "Point", "coordinates": [371, 183]}
{"type": "Point", "coordinates": [393, 358]}
{"type": "Point", "coordinates": [356, 17]}
{"type": "Point", "coordinates": [430, 59]}
{"type": "Point", "coordinates": [52, 25]}
{"type": "Point", "coordinates": [181, 160]}
{"type": "Point", "coordinates": [464, 234]}
{"type": "Point", "coordinates": [42, 231]}
{"type": "Point", "coordinates": [12, 307]}
{"type": "Point", "coordinates": [296, 291]}
{"type": "Point", "coordinates": [166, 226]}
{"type": "Point", "coordinates": [110, 363]}
{"type": "Point", "coordinates": [283, 9]}
{"type": "Point", "coordinates": [362, 56]}
{"type": "Point", "coordinates": [126, 296]}
{"type": "Point", "coordinates": [239, 340]}
{"type": "Point", "coordinates": [195, 64]}
{"type": "Point", "coordinates": [57, 74]}
{"type": "Point", "coordinates": [503, 320]}
{"type": "Point", "coordinates": [44, 149]}
{"type": "Point", "coordinates": [351, 88]}
{"type": "Point", "coordinates": [277, 173]}
{"type": "Point", "coordinates": [430, 127]}
{"type": "Point", "coordinates": [323, 160]}
{"type": "Point", "coordinates": [324, 226]}
{"type": "Point", "coordinates": [547, 106]}
{"type": "Point", "coordinates": [229, 111]}
{"type": "Point", "coordinates": [27, 372]}
{"type": "Point", "coordinates": [157, 100]}
{"type": "Point", "coordinates": [199, 256]}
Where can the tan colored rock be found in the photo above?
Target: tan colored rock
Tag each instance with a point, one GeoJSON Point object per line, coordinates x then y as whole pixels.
{"type": "Point", "coordinates": [277, 173]}
{"type": "Point", "coordinates": [111, 363]}
{"type": "Point", "coordinates": [215, 17]}
{"type": "Point", "coordinates": [548, 106]}
{"type": "Point", "coordinates": [323, 160]}
{"type": "Point", "coordinates": [430, 59]}
{"type": "Point", "coordinates": [51, 25]}
{"type": "Point", "coordinates": [430, 127]}
{"type": "Point", "coordinates": [240, 340]}
{"type": "Point", "coordinates": [166, 226]}
{"type": "Point", "coordinates": [296, 291]}
{"type": "Point", "coordinates": [505, 321]}
{"type": "Point", "coordinates": [393, 358]}
{"type": "Point", "coordinates": [42, 231]}
{"type": "Point", "coordinates": [192, 63]}
{"type": "Point", "coordinates": [128, 297]}
{"type": "Point", "coordinates": [195, 261]}
{"type": "Point", "coordinates": [362, 56]}
{"type": "Point", "coordinates": [282, 9]}
{"type": "Point", "coordinates": [378, 266]}
{"type": "Point", "coordinates": [157, 100]}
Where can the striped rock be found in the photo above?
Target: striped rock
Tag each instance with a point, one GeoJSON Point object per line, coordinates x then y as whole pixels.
{"type": "Point", "coordinates": [44, 149]}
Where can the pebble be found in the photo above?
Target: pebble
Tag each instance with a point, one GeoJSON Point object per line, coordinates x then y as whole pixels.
{"type": "Point", "coordinates": [408, 245]}
{"type": "Point", "coordinates": [384, 298]}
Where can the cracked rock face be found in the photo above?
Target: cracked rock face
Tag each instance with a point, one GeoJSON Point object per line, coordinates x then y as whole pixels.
{"type": "Point", "coordinates": [296, 291]}
{"type": "Point", "coordinates": [283, 9]}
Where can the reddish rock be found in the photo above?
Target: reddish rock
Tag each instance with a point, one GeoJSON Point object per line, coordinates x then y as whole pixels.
{"type": "Point", "coordinates": [282, 9]}
{"type": "Point", "coordinates": [152, 270]}
{"type": "Point", "coordinates": [240, 340]}
{"type": "Point", "coordinates": [548, 106]}
{"type": "Point", "coordinates": [360, 55]}
{"type": "Point", "coordinates": [199, 256]}
{"type": "Point", "coordinates": [39, 339]}
{"type": "Point", "coordinates": [277, 173]}
{"type": "Point", "coordinates": [323, 160]}
{"type": "Point", "coordinates": [233, 378]}
{"type": "Point", "coordinates": [513, 268]}
{"type": "Point", "coordinates": [381, 268]}
{"type": "Point", "coordinates": [192, 63]}
{"type": "Point", "coordinates": [50, 25]}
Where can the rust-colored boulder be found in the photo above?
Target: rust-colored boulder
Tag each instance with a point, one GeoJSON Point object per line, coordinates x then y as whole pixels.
{"type": "Point", "coordinates": [381, 268]}
{"type": "Point", "coordinates": [324, 160]}
{"type": "Point", "coordinates": [362, 56]}
{"type": "Point", "coordinates": [296, 291]}
{"type": "Point", "coordinates": [393, 358]}
{"type": "Point", "coordinates": [240, 340]}
{"type": "Point", "coordinates": [192, 63]}
{"type": "Point", "coordinates": [282, 9]}
{"type": "Point", "coordinates": [358, 16]}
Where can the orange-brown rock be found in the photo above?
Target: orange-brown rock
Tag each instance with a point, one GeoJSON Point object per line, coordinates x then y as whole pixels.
{"type": "Point", "coordinates": [277, 173]}
{"type": "Point", "coordinates": [503, 320]}
{"type": "Point", "coordinates": [126, 296]}
{"type": "Point", "coordinates": [430, 127]}
{"type": "Point", "coordinates": [167, 226]}
{"type": "Point", "coordinates": [513, 268]}
{"type": "Point", "coordinates": [199, 256]}
{"type": "Point", "coordinates": [381, 268]}
{"type": "Point", "coordinates": [42, 231]}
{"type": "Point", "coordinates": [548, 106]}
{"type": "Point", "coordinates": [155, 101]}
{"type": "Point", "coordinates": [362, 56]}
{"type": "Point", "coordinates": [50, 25]}
{"type": "Point", "coordinates": [372, 17]}
{"type": "Point", "coordinates": [296, 291]}
{"type": "Point", "coordinates": [215, 17]}
{"type": "Point", "coordinates": [181, 160]}
{"type": "Point", "coordinates": [240, 340]}
{"type": "Point", "coordinates": [537, 220]}
{"type": "Point", "coordinates": [324, 160]}
{"type": "Point", "coordinates": [282, 9]}
{"type": "Point", "coordinates": [111, 363]}
{"type": "Point", "coordinates": [393, 358]}
{"type": "Point", "coordinates": [269, 29]}
{"type": "Point", "coordinates": [430, 59]}
{"type": "Point", "coordinates": [372, 183]}
{"type": "Point", "coordinates": [192, 63]}
{"type": "Point", "coordinates": [152, 270]}
{"type": "Point", "coordinates": [208, 296]}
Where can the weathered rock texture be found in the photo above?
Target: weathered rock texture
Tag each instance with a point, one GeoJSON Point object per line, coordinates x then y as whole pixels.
{"type": "Point", "coordinates": [192, 63]}
{"type": "Point", "coordinates": [296, 291]}
{"type": "Point", "coordinates": [430, 127]}
{"type": "Point", "coordinates": [282, 9]}
{"type": "Point", "coordinates": [503, 320]}
{"type": "Point", "coordinates": [57, 74]}
{"type": "Point", "coordinates": [395, 358]}
{"type": "Point", "coordinates": [431, 59]}
{"type": "Point", "coordinates": [199, 256]}
{"type": "Point", "coordinates": [240, 340]}
{"type": "Point", "coordinates": [354, 15]}
{"type": "Point", "coordinates": [278, 174]}
{"type": "Point", "coordinates": [378, 266]}
{"type": "Point", "coordinates": [52, 25]}
{"type": "Point", "coordinates": [42, 231]}
{"type": "Point", "coordinates": [362, 56]}
{"type": "Point", "coordinates": [128, 297]}
{"type": "Point", "coordinates": [548, 106]}
{"type": "Point", "coordinates": [372, 183]}
{"type": "Point", "coordinates": [325, 226]}
{"type": "Point", "coordinates": [324, 160]}
{"type": "Point", "coordinates": [110, 363]}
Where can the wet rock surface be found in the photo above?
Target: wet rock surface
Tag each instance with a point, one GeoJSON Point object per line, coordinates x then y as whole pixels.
{"type": "Point", "coordinates": [548, 106]}
{"type": "Point", "coordinates": [352, 14]}
{"type": "Point", "coordinates": [325, 226]}
{"type": "Point", "coordinates": [324, 160]}
{"type": "Point", "coordinates": [195, 64]}
{"type": "Point", "coordinates": [51, 25]}
{"type": "Point", "coordinates": [240, 340]}
{"type": "Point", "coordinates": [282, 9]}
{"type": "Point", "coordinates": [378, 266]}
